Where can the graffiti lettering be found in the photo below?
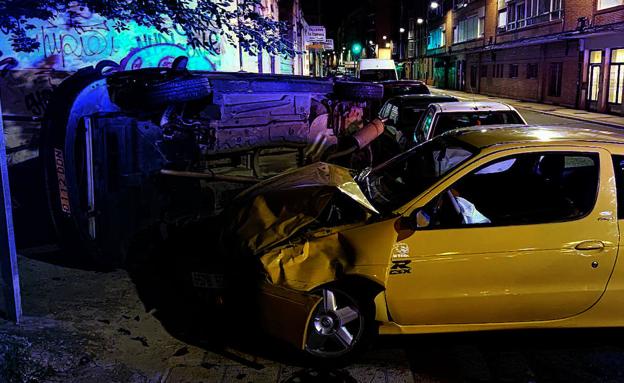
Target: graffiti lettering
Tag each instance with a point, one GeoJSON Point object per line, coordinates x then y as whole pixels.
{"type": "Point", "coordinates": [87, 43]}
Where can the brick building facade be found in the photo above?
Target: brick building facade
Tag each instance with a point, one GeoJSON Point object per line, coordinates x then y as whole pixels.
{"type": "Point", "coordinates": [564, 52]}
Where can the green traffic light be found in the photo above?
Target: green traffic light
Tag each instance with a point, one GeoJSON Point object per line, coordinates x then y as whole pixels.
{"type": "Point", "coordinates": [356, 48]}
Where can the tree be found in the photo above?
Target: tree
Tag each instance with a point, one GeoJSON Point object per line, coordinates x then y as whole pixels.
{"type": "Point", "coordinates": [236, 20]}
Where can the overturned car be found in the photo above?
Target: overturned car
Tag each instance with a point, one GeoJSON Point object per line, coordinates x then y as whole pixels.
{"type": "Point", "coordinates": [130, 151]}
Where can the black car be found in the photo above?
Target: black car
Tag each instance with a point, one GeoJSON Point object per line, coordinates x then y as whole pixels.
{"type": "Point", "coordinates": [403, 87]}
{"type": "Point", "coordinates": [401, 115]}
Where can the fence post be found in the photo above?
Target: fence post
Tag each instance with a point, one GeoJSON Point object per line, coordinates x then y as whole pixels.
{"type": "Point", "coordinates": [9, 276]}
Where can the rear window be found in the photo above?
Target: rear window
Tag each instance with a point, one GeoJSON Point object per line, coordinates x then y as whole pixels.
{"type": "Point", "coordinates": [409, 115]}
{"type": "Point", "coordinates": [394, 90]}
{"type": "Point", "coordinates": [377, 74]}
{"type": "Point", "coordinates": [450, 121]}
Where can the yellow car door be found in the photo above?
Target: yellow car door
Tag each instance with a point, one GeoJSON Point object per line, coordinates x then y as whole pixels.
{"type": "Point", "coordinates": [520, 235]}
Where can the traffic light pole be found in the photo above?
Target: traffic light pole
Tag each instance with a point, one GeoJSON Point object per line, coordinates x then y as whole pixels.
{"type": "Point", "coordinates": [9, 276]}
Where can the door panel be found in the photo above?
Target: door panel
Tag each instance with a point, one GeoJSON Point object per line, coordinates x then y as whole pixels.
{"type": "Point", "coordinates": [490, 274]}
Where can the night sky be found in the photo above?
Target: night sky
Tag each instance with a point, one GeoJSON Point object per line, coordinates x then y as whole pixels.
{"type": "Point", "coordinates": [332, 11]}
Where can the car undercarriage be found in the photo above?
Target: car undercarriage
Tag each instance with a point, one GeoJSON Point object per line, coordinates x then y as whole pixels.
{"type": "Point", "coordinates": [135, 151]}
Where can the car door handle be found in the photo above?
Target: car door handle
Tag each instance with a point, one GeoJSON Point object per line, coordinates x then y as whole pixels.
{"type": "Point", "coordinates": [590, 245]}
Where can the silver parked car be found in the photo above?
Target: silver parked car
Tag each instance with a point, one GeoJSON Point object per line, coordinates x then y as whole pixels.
{"type": "Point", "coordinates": [442, 117]}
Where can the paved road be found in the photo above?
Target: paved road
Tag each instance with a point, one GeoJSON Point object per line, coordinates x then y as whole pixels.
{"type": "Point", "coordinates": [534, 117]}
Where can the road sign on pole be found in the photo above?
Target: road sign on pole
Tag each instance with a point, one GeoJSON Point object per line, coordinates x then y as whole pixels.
{"type": "Point", "coordinates": [316, 34]}
{"type": "Point", "coordinates": [9, 277]}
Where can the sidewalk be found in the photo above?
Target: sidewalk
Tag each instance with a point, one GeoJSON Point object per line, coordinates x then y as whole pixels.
{"type": "Point", "coordinates": [554, 110]}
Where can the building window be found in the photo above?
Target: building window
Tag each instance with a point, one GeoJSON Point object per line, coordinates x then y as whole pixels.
{"type": "Point", "coordinates": [616, 79]}
{"type": "Point", "coordinates": [502, 14]}
{"type": "Point", "coordinates": [554, 81]}
{"type": "Point", "coordinates": [513, 70]}
{"type": "Point", "coordinates": [435, 39]}
{"type": "Point", "coordinates": [522, 13]}
{"type": "Point", "coordinates": [411, 48]}
{"type": "Point", "coordinates": [604, 4]}
{"type": "Point", "coordinates": [484, 70]}
{"type": "Point", "coordinates": [502, 19]}
{"type": "Point", "coordinates": [531, 71]}
{"type": "Point", "coordinates": [470, 28]}
{"type": "Point", "coordinates": [595, 62]}
{"type": "Point", "coordinates": [498, 70]}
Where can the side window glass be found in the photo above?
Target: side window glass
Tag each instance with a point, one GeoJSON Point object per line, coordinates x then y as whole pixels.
{"type": "Point", "coordinates": [524, 189]}
{"type": "Point", "coordinates": [383, 113]}
{"type": "Point", "coordinates": [394, 114]}
{"type": "Point", "coordinates": [422, 132]}
{"type": "Point", "coordinates": [618, 164]}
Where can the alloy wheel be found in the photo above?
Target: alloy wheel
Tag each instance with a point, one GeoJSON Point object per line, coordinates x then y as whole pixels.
{"type": "Point", "coordinates": [336, 327]}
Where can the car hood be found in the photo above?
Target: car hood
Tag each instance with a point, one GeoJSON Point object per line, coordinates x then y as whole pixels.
{"type": "Point", "coordinates": [277, 209]}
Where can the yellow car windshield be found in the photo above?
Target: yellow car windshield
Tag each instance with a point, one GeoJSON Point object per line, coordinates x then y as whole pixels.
{"type": "Point", "coordinates": [402, 178]}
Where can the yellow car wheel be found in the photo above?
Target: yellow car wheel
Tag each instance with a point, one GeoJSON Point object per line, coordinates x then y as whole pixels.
{"type": "Point", "coordinates": [338, 325]}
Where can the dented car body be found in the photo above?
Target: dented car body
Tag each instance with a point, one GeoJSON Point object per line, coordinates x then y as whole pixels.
{"type": "Point", "coordinates": [541, 253]}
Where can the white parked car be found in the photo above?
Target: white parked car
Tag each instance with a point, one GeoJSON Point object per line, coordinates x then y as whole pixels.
{"type": "Point", "coordinates": [442, 117]}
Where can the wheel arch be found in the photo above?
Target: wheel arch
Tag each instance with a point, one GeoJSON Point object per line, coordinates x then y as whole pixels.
{"type": "Point", "coordinates": [364, 287]}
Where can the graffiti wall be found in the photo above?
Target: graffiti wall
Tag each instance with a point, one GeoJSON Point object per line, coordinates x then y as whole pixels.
{"type": "Point", "coordinates": [68, 43]}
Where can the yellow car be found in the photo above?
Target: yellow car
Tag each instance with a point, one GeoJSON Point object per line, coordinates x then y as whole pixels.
{"type": "Point", "coordinates": [498, 227]}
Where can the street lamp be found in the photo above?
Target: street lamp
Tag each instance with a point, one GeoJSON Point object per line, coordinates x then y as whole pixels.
{"type": "Point", "coordinates": [420, 20]}
{"type": "Point", "coordinates": [385, 37]}
{"type": "Point", "coordinates": [434, 5]}
{"type": "Point", "coordinates": [401, 30]}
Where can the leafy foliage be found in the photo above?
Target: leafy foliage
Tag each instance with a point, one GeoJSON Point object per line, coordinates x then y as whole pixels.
{"type": "Point", "coordinates": [237, 20]}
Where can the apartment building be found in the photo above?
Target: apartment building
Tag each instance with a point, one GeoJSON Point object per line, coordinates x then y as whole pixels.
{"type": "Point", "coordinates": [564, 52]}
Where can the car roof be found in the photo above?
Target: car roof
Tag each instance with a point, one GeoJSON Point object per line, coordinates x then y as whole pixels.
{"type": "Point", "coordinates": [401, 82]}
{"type": "Point", "coordinates": [468, 106]}
{"type": "Point", "coordinates": [496, 135]}
{"type": "Point", "coordinates": [433, 98]}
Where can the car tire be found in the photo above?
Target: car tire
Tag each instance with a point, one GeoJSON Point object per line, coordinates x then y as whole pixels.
{"type": "Point", "coordinates": [154, 88]}
{"type": "Point", "coordinates": [341, 326]}
{"type": "Point", "coordinates": [358, 91]}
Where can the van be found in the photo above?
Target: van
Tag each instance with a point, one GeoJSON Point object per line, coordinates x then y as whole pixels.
{"type": "Point", "coordinates": [376, 70]}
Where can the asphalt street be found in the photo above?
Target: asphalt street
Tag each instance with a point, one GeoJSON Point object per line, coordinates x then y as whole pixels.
{"type": "Point", "coordinates": [534, 117]}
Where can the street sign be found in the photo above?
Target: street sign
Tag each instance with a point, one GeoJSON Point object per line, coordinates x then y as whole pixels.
{"type": "Point", "coordinates": [316, 34]}
{"type": "Point", "coordinates": [329, 44]}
